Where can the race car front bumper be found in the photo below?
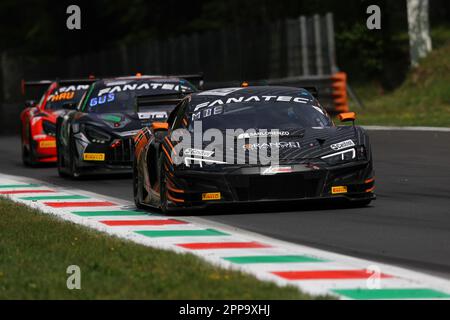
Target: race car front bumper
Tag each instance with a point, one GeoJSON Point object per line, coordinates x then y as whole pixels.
{"type": "Point", "coordinates": [44, 147]}
{"type": "Point", "coordinates": [115, 157]}
{"type": "Point", "coordinates": [196, 189]}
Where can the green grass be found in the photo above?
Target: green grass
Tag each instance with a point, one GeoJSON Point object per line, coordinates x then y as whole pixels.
{"type": "Point", "coordinates": [36, 249]}
{"type": "Point", "coordinates": [422, 100]}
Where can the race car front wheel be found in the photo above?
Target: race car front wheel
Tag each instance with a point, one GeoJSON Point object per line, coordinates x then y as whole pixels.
{"type": "Point", "coordinates": [74, 171]}
{"type": "Point", "coordinates": [137, 187]}
{"type": "Point", "coordinates": [162, 185]}
{"type": "Point", "coordinates": [60, 158]}
{"type": "Point", "coordinates": [25, 157]}
{"type": "Point", "coordinates": [29, 155]}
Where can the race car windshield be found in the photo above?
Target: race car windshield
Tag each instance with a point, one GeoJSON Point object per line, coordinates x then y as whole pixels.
{"type": "Point", "coordinates": [279, 115]}
{"type": "Point", "coordinates": [57, 100]}
{"type": "Point", "coordinates": [120, 97]}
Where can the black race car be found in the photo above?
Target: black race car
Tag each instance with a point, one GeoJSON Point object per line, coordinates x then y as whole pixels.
{"type": "Point", "coordinates": [97, 136]}
{"type": "Point", "coordinates": [278, 144]}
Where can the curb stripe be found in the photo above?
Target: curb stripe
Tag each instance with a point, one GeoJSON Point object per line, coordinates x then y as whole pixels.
{"type": "Point", "coordinates": [26, 191]}
{"type": "Point", "coordinates": [368, 294]}
{"type": "Point", "coordinates": [142, 222]}
{"type": "Point", "coordinates": [272, 259]}
{"type": "Point", "coordinates": [223, 245]}
{"type": "Point", "coordinates": [71, 197]}
{"type": "Point", "coordinates": [32, 185]}
{"type": "Point", "coordinates": [330, 274]}
{"type": "Point", "coordinates": [79, 204]}
{"type": "Point", "coordinates": [182, 233]}
{"type": "Point", "coordinates": [110, 213]}
{"type": "Point", "coordinates": [326, 274]}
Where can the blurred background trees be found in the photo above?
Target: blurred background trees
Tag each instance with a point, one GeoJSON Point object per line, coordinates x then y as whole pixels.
{"type": "Point", "coordinates": [39, 27]}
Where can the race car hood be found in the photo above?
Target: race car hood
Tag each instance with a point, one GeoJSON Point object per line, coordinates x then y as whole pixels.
{"type": "Point", "coordinates": [121, 124]}
{"type": "Point", "coordinates": [292, 145]}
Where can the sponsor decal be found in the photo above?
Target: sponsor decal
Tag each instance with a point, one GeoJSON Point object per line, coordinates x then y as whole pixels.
{"type": "Point", "coordinates": [207, 113]}
{"type": "Point", "coordinates": [211, 196]}
{"type": "Point", "coordinates": [342, 145]}
{"type": "Point", "coordinates": [74, 88]}
{"type": "Point", "coordinates": [198, 152]}
{"type": "Point", "coordinates": [142, 86]}
{"type": "Point", "coordinates": [94, 157]}
{"type": "Point", "coordinates": [244, 99]}
{"type": "Point", "coordinates": [248, 135]}
{"type": "Point", "coordinates": [62, 96]}
{"type": "Point", "coordinates": [47, 144]}
{"type": "Point", "coordinates": [338, 190]}
{"type": "Point", "coordinates": [272, 145]}
{"type": "Point", "coordinates": [275, 170]}
{"type": "Point", "coordinates": [153, 115]}
{"type": "Point", "coordinates": [102, 99]}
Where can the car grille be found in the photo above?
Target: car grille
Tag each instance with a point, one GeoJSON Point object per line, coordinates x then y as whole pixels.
{"type": "Point", "coordinates": [122, 154]}
{"type": "Point", "coordinates": [284, 187]}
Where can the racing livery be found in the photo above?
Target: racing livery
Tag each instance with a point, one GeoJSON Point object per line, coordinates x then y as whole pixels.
{"type": "Point", "coordinates": [312, 157]}
{"type": "Point", "coordinates": [97, 137]}
{"type": "Point", "coordinates": [38, 120]}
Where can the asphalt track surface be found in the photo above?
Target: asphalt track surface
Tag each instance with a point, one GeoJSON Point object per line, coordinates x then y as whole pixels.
{"type": "Point", "coordinates": [408, 225]}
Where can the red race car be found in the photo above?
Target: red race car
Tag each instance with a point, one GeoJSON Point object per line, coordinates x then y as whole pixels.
{"type": "Point", "coordinates": [38, 119]}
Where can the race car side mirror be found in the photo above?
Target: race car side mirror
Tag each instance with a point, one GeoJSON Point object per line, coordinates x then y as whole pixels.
{"type": "Point", "coordinates": [30, 103]}
{"type": "Point", "coordinates": [160, 126]}
{"type": "Point", "coordinates": [347, 116]}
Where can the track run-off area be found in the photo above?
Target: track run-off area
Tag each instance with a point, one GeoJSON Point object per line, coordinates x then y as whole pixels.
{"type": "Point", "coordinates": [403, 237]}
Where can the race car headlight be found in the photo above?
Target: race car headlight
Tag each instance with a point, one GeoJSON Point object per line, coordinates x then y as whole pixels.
{"type": "Point", "coordinates": [341, 156]}
{"type": "Point", "coordinates": [188, 161]}
{"type": "Point", "coordinates": [361, 153]}
{"type": "Point", "coordinates": [49, 128]}
{"type": "Point", "coordinates": [96, 135]}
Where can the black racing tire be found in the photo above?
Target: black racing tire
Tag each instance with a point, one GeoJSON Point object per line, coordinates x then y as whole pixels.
{"type": "Point", "coordinates": [60, 160]}
{"type": "Point", "coordinates": [25, 156]}
{"type": "Point", "coordinates": [60, 163]}
{"type": "Point", "coordinates": [137, 187]}
{"type": "Point", "coordinates": [31, 153]}
{"type": "Point", "coordinates": [162, 185]}
{"type": "Point", "coordinates": [25, 159]}
{"type": "Point", "coordinates": [72, 167]}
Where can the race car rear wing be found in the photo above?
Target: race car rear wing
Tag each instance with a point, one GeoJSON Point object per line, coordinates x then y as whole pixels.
{"type": "Point", "coordinates": [230, 84]}
{"type": "Point", "coordinates": [157, 101]}
{"type": "Point", "coordinates": [195, 79]}
{"type": "Point", "coordinates": [70, 82]}
{"type": "Point", "coordinates": [42, 85]}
